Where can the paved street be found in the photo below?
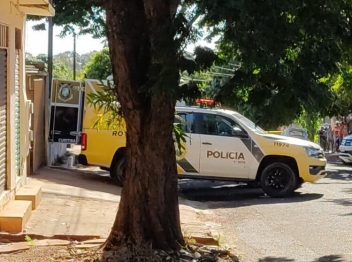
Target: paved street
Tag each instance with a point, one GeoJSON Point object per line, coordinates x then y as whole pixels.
{"type": "Point", "coordinates": [314, 225]}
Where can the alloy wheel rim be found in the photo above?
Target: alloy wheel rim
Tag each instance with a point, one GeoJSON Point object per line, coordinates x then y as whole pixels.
{"type": "Point", "coordinates": [278, 179]}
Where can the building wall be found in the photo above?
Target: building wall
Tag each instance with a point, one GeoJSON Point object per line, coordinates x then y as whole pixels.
{"type": "Point", "coordinates": [14, 19]}
{"type": "Point", "coordinates": [38, 95]}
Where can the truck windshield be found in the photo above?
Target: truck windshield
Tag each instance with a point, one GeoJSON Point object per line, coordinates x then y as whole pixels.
{"type": "Point", "coordinates": [248, 123]}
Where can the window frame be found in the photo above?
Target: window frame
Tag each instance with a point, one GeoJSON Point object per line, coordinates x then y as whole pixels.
{"type": "Point", "coordinates": [187, 124]}
{"type": "Point", "coordinates": [201, 120]}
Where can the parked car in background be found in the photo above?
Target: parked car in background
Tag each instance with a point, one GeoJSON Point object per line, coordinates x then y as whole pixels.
{"type": "Point", "coordinates": [346, 150]}
{"type": "Point", "coordinates": [296, 132]}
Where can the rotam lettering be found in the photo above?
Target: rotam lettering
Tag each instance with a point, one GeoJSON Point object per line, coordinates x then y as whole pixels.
{"type": "Point", "coordinates": [225, 155]}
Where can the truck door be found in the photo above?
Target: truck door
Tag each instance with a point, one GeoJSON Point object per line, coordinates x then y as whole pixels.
{"type": "Point", "coordinates": [188, 157]}
{"type": "Point", "coordinates": [223, 152]}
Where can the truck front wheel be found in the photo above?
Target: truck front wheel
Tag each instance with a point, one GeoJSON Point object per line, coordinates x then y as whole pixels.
{"type": "Point", "coordinates": [278, 180]}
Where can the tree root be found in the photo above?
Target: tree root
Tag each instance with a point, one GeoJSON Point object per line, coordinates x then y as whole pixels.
{"type": "Point", "coordinates": [193, 253]}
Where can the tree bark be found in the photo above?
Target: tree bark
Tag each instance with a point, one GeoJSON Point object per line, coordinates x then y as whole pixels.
{"type": "Point", "coordinates": [143, 56]}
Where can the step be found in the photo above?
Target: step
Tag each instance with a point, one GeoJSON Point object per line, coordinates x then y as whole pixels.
{"type": "Point", "coordinates": [15, 215]}
{"type": "Point", "coordinates": [30, 193]}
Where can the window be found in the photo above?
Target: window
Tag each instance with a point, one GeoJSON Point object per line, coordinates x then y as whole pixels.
{"type": "Point", "coordinates": [248, 123]}
{"type": "Point", "coordinates": [186, 120]}
{"type": "Point", "coordinates": [218, 125]}
{"type": "Point", "coordinates": [297, 133]}
{"type": "Point", "coordinates": [4, 36]}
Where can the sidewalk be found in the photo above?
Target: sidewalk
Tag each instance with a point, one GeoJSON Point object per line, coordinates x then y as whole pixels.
{"type": "Point", "coordinates": [76, 203]}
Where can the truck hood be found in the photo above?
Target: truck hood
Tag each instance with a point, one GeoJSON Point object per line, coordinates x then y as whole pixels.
{"type": "Point", "coordinates": [292, 141]}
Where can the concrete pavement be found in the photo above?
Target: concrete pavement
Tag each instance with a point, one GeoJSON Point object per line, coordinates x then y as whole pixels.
{"type": "Point", "coordinates": [314, 225]}
{"type": "Point", "coordinates": [76, 203]}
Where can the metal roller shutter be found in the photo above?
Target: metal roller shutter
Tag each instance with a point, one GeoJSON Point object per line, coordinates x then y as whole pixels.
{"type": "Point", "coordinates": [3, 118]}
{"type": "Point", "coordinates": [17, 115]}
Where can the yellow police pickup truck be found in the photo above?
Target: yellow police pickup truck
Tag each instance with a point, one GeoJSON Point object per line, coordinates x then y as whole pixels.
{"type": "Point", "coordinates": [220, 145]}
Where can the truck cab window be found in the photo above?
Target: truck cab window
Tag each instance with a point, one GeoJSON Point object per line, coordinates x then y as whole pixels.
{"type": "Point", "coordinates": [217, 125]}
{"type": "Point", "coordinates": [186, 120]}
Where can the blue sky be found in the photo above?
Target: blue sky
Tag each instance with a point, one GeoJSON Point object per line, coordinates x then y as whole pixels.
{"type": "Point", "coordinates": [37, 42]}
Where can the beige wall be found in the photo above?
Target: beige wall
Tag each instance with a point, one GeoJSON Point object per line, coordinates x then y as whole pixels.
{"type": "Point", "coordinates": [38, 96]}
{"type": "Point", "coordinates": [11, 17]}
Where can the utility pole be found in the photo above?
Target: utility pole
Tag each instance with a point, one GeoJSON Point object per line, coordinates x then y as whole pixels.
{"type": "Point", "coordinates": [50, 51]}
{"type": "Point", "coordinates": [49, 145]}
{"type": "Point", "coordinates": [74, 55]}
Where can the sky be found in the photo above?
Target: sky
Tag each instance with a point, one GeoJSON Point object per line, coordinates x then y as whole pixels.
{"type": "Point", "coordinates": [37, 42]}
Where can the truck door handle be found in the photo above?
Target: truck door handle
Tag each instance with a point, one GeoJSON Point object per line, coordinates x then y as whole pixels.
{"type": "Point", "coordinates": [207, 143]}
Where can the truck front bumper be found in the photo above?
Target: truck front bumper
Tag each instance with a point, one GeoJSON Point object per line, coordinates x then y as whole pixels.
{"type": "Point", "coordinates": [314, 170]}
{"type": "Point", "coordinates": [346, 157]}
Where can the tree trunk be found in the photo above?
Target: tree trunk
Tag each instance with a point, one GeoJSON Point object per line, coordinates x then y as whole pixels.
{"type": "Point", "coordinates": [144, 60]}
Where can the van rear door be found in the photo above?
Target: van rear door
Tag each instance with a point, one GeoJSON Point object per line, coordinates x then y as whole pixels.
{"type": "Point", "coordinates": [66, 111]}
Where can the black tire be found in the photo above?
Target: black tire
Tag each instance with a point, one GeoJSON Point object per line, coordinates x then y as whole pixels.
{"type": "Point", "coordinates": [117, 171]}
{"type": "Point", "coordinates": [278, 180]}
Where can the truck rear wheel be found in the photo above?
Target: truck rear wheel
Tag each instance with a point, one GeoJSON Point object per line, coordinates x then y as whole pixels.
{"type": "Point", "coordinates": [278, 180]}
{"type": "Point", "coordinates": [117, 171]}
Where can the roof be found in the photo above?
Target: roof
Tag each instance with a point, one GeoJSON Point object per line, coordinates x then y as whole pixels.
{"type": "Point", "coordinates": [35, 7]}
{"type": "Point", "coordinates": [295, 129]}
{"type": "Point", "coordinates": [205, 110]}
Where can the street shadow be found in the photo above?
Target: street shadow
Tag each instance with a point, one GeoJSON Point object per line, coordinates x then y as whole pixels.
{"type": "Point", "coordinates": [343, 202]}
{"type": "Point", "coordinates": [191, 192]}
{"type": "Point", "coordinates": [276, 259]}
{"type": "Point", "coordinates": [330, 258]}
{"type": "Point", "coordinates": [94, 181]}
{"type": "Point", "coordinates": [230, 195]}
{"type": "Point", "coordinates": [347, 202]}
{"type": "Point", "coordinates": [340, 172]}
{"type": "Point", "coordinates": [347, 190]}
{"type": "Point", "coordinates": [343, 173]}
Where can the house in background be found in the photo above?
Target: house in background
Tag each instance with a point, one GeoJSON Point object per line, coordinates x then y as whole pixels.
{"type": "Point", "coordinates": [15, 108]}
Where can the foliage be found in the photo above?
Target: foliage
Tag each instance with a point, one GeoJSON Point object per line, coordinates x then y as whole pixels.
{"type": "Point", "coordinates": [341, 85]}
{"type": "Point", "coordinates": [86, 15]}
{"type": "Point", "coordinates": [310, 122]}
{"type": "Point", "coordinates": [179, 136]}
{"type": "Point", "coordinates": [62, 63]}
{"type": "Point", "coordinates": [29, 240]}
{"type": "Point", "coordinates": [280, 67]}
{"type": "Point", "coordinates": [99, 67]}
{"type": "Point", "coordinates": [105, 103]}
{"type": "Point", "coordinates": [275, 69]}
{"type": "Point", "coordinates": [60, 70]}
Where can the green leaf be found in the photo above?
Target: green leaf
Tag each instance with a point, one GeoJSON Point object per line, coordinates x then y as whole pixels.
{"type": "Point", "coordinates": [256, 71]}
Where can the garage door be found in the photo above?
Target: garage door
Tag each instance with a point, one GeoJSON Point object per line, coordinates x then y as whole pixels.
{"type": "Point", "coordinates": [3, 117]}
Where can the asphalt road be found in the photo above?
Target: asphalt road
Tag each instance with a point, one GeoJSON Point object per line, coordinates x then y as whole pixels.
{"type": "Point", "coordinates": [315, 225]}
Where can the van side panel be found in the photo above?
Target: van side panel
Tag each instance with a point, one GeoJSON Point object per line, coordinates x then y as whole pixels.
{"type": "Point", "coordinates": [102, 142]}
{"type": "Point", "coordinates": [102, 145]}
